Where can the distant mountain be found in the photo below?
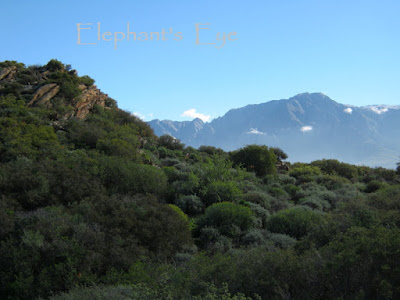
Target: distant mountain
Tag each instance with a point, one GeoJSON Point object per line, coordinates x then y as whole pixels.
{"type": "Point", "coordinates": [307, 127]}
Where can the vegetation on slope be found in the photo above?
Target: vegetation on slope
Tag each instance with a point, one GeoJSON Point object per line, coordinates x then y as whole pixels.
{"type": "Point", "coordinates": [99, 207]}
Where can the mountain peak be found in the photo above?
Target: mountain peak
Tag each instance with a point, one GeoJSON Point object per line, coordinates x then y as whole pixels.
{"type": "Point", "coordinates": [308, 126]}
{"type": "Point", "coordinates": [311, 96]}
{"type": "Point", "coordinates": [198, 120]}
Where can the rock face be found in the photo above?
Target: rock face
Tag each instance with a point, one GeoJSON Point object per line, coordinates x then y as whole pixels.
{"type": "Point", "coordinates": [8, 74]}
{"type": "Point", "coordinates": [44, 94]}
{"type": "Point", "coordinates": [41, 93]}
{"type": "Point", "coordinates": [90, 97]}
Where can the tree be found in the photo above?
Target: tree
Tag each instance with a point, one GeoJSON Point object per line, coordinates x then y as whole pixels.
{"type": "Point", "coordinates": [279, 153]}
{"type": "Point", "coordinates": [170, 142]}
{"type": "Point", "coordinates": [55, 65]}
{"type": "Point", "coordinates": [256, 158]}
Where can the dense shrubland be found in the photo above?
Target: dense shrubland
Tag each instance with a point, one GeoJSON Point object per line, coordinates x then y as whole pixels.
{"type": "Point", "coordinates": [101, 208]}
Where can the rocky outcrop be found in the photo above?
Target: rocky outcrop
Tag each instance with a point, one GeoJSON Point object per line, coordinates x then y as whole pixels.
{"type": "Point", "coordinates": [90, 97]}
{"type": "Point", "coordinates": [44, 94]}
{"type": "Point", "coordinates": [8, 74]}
{"type": "Point", "coordinates": [34, 85]}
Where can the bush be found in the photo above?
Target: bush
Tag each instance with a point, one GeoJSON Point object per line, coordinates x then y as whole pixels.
{"type": "Point", "coordinates": [375, 185]}
{"type": "Point", "coordinates": [210, 150]}
{"type": "Point", "coordinates": [332, 182]}
{"type": "Point", "coordinates": [170, 142]}
{"type": "Point", "coordinates": [108, 293]}
{"type": "Point", "coordinates": [227, 218]}
{"type": "Point", "coordinates": [110, 102]}
{"type": "Point", "coordinates": [261, 214]}
{"type": "Point", "coordinates": [117, 147]}
{"type": "Point", "coordinates": [188, 184]}
{"type": "Point", "coordinates": [254, 237]}
{"type": "Point", "coordinates": [121, 176]}
{"type": "Point", "coordinates": [12, 63]}
{"type": "Point", "coordinates": [282, 241]}
{"type": "Point", "coordinates": [211, 239]}
{"type": "Point", "coordinates": [386, 199]}
{"type": "Point", "coordinates": [191, 205]}
{"type": "Point", "coordinates": [315, 203]}
{"type": "Point", "coordinates": [54, 65]}
{"type": "Point", "coordinates": [334, 167]}
{"type": "Point", "coordinates": [260, 198]}
{"type": "Point", "coordinates": [295, 222]}
{"type": "Point", "coordinates": [86, 80]}
{"type": "Point", "coordinates": [222, 191]}
{"type": "Point", "coordinates": [305, 172]}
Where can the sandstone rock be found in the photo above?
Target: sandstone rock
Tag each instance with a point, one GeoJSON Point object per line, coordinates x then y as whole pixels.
{"type": "Point", "coordinates": [44, 75]}
{"type": "Point", "coordinates": [80, 107]}
{"type": "Point", "coordinates": [89, 98]}
{"type": "Point", "coordinates": [8, 73]}
{"type": "Point", "coordinates": [44, 94]}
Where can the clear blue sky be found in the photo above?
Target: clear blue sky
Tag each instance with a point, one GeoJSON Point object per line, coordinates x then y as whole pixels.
{"type": "Point", "coordinates": [349, 50]}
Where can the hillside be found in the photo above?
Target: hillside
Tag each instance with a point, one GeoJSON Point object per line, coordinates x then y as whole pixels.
{"type": "Point", "coordinates": [307, 126]}
{"type": "Point", "coordinates": [93, 205]}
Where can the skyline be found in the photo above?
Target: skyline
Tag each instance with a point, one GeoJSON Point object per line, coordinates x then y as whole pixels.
{"type": "Point", "coordinates": [348, 51]}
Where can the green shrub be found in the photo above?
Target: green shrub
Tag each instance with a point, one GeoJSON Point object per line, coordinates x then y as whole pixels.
{"type": "Point", "coordinates": [86, 80]}
{"type": "Point", "coordinates": [295, 222]}
{"type": "Point", "coordinates": [54, 65]}
{"type": "Point", "coordinates": [227, 217]}
{"type": "Point", "coordinates": [334, 167]}
{"type": "Point", "coordinates": [110, 102]}
{"type": "Point", "coordinates": [117, 147]}
{"type": "Point", "coordinates": [170, 142]}
{"type": "Point", "coordinates": [255, 158]}
{"type": "Point", "coordinates": [260, 213]}
{"type": "Point", "coordinates": [374, 186]}
{"type": "Point", "coordinates": [191, 205]}
{"type": "Point", "coordinates": [121, 176]}
{"type": "Point", "coordinates": [222, 191]}
{"type": "Point", "coordinates": [260, 198]}
{"type": "Point", "coordinates": [304, 172]}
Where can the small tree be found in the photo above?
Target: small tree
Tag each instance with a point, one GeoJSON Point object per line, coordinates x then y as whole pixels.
{"type": "Point", "coordinates": [256, 158]}
{"type": "Point", "coordinates": [170, 142]}
{"type": "Point", "coordinates": [55, 65]}
{"type": "Point", "coordinates": [279, 153]}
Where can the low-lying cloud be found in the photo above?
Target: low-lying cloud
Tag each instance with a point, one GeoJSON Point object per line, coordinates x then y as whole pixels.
{"type": "Point", "coordinates": [379, 110]}
{"type": "Point", "coordinates": [192, 113]}
{"type": "Point", "coordinates": [348, 110]}
{"type": "Point", "coordinates": [306, 128]}
{"type": "Point", "coordinates": [143, 117]}
{"type": "Point", "coordinates": [255, 131]}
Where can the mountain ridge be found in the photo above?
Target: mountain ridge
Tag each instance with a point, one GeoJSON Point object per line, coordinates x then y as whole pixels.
{"type": "Point", "coordinates": [309, 126]}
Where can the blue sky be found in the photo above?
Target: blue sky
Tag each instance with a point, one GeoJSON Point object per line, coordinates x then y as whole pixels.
{"type": "Point", "coordinates": [349, 50]}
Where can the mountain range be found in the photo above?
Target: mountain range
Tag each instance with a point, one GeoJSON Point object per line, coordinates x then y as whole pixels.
{"type": "Point", "coordinates": [307, 127]}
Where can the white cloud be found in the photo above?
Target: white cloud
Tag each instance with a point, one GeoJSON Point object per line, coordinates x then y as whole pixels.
{"type": "Point", "coordinates": [348, 110]}
{"type": "Point", "coordinates": [255, 131]}
{"type": "Point", "coordinates": [306, 128]}
{"type": "Point", "coordinates": [142, 116]}
{"type": "Point", "coordinates": [379, 110]}
{"type": "Point", "coordinates": [191, 113]}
